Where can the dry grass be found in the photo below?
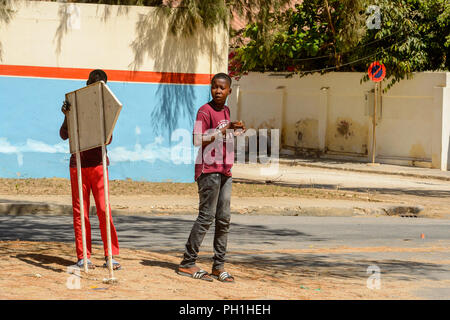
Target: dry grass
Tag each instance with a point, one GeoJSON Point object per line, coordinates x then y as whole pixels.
{"type": "Point", "coordinates": [60, 186]}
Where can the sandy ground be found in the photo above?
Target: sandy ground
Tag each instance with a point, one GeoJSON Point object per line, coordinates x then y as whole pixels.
{"type": "Point", "coordinates": [38, 270]}
{"type": "Point", "coordinates": [247, 196]}
{"type": "Point", "coordinates": [431, 194]}
{"type": "Point", "coordinates": [61, 186]}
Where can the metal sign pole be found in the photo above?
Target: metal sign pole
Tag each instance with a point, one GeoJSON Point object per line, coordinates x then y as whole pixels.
{"type": "Point", "coordinates": [374, 125]}
{"type": "Point", "coordinates": [105, 188]}
{"type": "Point", "coordinates": [80, 185]}
{"type": "Point", "coordinates": [376, 72]}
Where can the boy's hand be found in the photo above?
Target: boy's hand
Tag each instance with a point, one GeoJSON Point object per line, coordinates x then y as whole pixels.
{"type": "Point", "coordinates": [237, 125]}
{"type": "Point", "coordinates": [239, 128]}
{"type": "Point", "coordinates": [224, 129]}
{"type": "Point", "coordinates": [65, 108]}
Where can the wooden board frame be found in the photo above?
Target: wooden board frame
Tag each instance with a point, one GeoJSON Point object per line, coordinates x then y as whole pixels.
{"type": "Point", "coordinates": [84, 116]}
{"type": "Point", "coordinates": [93, 114]}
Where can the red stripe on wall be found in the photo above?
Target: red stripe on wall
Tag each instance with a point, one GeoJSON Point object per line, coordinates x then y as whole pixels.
{"type": "Point", "coordinates": [113, 75]}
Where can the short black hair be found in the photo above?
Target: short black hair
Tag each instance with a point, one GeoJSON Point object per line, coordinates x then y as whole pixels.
{"type": "Point", "coordinates": [221, 75]}
{"type": "Point", "coordinates": [97, 75]}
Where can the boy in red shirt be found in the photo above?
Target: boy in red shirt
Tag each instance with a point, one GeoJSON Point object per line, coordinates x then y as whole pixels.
{"type": "Point", "coordinates": [92, 177]}
{"type": "Point", "coordinates": [213, 133]}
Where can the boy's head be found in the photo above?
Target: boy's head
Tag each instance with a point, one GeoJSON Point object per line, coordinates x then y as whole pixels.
{"type": "Point", "coordinates": [97, 75]}
{"type": "Point", "coordinates": [220, 88]}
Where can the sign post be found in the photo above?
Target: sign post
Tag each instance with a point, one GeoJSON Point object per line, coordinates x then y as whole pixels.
{"type": "Point", "coordinates": [377, 72]}
{"type": "Point", "coordinates": [91, 121]}
{"type": "Point", "coordinates": [374, 123]}
{"type": "Point", "coordinates": [105, 189]}
{"type": "Point", "coordinates": [76, 139]}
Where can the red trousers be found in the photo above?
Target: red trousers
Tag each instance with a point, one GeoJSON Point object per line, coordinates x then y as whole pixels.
{"type": "Point", "coordinates": [92, 178]}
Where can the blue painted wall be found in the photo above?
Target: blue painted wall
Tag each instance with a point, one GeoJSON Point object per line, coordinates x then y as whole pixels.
{"type": "Point", "coordinates": [30, 118]}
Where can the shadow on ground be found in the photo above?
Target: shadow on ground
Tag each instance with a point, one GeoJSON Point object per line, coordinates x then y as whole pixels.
{"type": "Point", "coordinates": [341, 266]}
{"type": "Point", "coordinates": [43, 261]}
{"type": "Point", "coordinates": [161, 264]}
{"type": "Point", "coordinates": [155, 233]}
{"type": "Point", "coordinates": [137, 231]}
{"type": "Point", "coordinates": [389, 191]}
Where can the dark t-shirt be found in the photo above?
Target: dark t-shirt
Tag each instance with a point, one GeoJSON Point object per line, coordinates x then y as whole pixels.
{"type": "Point", "coordinates": [208, 120]}
{"type": "Point", "coordinates": [89, 158]}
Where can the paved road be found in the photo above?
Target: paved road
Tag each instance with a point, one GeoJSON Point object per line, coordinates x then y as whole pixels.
{"type": "Point", "coordinates": [284, 242]}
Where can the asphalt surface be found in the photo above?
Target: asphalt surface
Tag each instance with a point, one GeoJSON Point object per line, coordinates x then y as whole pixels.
{"type": "Point", "coordinates": [282, 242]}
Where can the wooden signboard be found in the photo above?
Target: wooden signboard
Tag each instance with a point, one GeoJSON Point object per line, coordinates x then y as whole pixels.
{"type": "Point", "coordinates": [93, 114]}
{"type": "Point", "coordinates": [85, 116]}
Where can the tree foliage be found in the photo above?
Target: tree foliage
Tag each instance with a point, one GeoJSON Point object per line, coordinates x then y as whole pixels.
{"type": "Point", "coordinates": [6, 14]}
{"type": "Point", "coordinates": [414, 37]}
{"type": "Point", "coordinates": [207, 13]}
{"type": "Point", "coordinates": [314, 28]}
{"type": "Point", "coordinates": [322, 36]}
{"type": "Point", "coordinates": [316, 35]}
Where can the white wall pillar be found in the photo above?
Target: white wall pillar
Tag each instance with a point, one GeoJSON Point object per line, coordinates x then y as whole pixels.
{"type": "Point", "coordinates": [233, 102]}
{"type": "Point", "coordinates": [436, 134]}
{"type": "Point", "coordinates": [445, 153]}
{"type": "Point", "coordinates": [323, 116]}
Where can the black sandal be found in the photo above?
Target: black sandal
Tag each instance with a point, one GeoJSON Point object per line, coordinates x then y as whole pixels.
{"type": "Point", "coordinates": [200, 274]}
{"type": "Point", "coordinates": [223, 276]}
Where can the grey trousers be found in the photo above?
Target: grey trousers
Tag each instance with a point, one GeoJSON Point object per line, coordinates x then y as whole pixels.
{"type": "Point", "coordinates": [214, 191]}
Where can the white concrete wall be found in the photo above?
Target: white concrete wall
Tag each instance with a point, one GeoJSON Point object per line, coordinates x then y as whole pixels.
{"type": "Point", "coordinates": [445, 151]}
{"type": "Point", "coordinates": [49, 49]}
{"type": "Point", "coordinates": [333, 114]}
{"type": "Point", "coordinates": [77, 35]}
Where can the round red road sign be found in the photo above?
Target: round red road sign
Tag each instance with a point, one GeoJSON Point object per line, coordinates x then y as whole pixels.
{"type": "Point", "coordinates": [377, 71]}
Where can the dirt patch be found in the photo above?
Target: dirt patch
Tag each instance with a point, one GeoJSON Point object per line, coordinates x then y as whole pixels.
{"type": "Point", "coordinates": [346, 135]}
{"type": "Point", "coordinates": [60, 186]}
{"type": "Point", "coordinates": [38, 270]}
{"type": "Point", "coordinates": [58, 191]}
{"type": "Point", "coordinates": [307, 133]}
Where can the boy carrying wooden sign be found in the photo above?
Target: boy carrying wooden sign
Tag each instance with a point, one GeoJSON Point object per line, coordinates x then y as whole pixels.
{"type": "Point", "coordinates": [90, 115]}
